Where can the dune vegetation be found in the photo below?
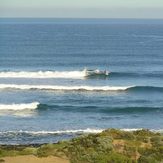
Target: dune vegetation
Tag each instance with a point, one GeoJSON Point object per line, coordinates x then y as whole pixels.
{"type": "Point", "coordinates": [109, 146]}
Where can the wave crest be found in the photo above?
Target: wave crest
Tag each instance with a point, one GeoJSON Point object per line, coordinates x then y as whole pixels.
{"type": "Point", "coordinates": [43, 74]}
{"type": "Point", "coordinates": [65, 132]}
{"type": "Point", "coordinates": [51, 74]}
{"type": "Point", "coordinates": [18, 107]}
{"type": "Point", "coordinates": [58, 132]}
{"type": "Point", "coordinates": [66, 88]}
{"type": "Point", "coordinates": [82, 88]}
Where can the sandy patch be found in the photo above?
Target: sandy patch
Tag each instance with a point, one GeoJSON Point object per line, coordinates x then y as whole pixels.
{"type": "Point", "coordinates": [34, 159]}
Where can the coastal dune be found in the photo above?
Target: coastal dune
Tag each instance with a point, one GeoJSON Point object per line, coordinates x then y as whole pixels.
{"type": "Point", "coordinates": [108, 146]}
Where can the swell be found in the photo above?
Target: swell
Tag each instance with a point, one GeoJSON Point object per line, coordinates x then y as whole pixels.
{"type": "Point", "coordinates": [19, 107]}
{"type": "Point", "coordinates": [83, 88]}
{"type": "Point", "coordinates": [100, 109]}
{"type": "Point", "coordinates": [76, 108]}
{"type": "Point", "coordinates": [136, 74]}
{"type": "Point", "coordinates": [145, 89]}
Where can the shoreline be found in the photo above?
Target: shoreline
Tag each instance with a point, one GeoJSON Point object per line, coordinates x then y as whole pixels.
{"type": "Point", "coordinates": [111, 144]}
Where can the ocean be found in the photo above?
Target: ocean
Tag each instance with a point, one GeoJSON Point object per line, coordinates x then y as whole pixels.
{"type": "Point", "coordinates": [47, 96]}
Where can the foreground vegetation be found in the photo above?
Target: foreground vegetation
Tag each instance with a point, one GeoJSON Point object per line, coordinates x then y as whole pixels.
{"type": "Point", "coordinates": [110, 146]}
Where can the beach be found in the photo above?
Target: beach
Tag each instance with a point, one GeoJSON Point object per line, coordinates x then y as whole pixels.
{"type": "Point", "coordinates": [34, 159]}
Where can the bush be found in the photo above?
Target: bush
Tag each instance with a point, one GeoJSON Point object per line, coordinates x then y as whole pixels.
{"type": "Point", "coordinates": [119, 134]}
{"type": "Point", "coordinates": [157, 141]}
{"type": "Point", "coordinates": [145, 133]}
{"type": "Point", "coordinates": [130, 150]}
{"type": "Point", "coordinates": [28, 151]}
{"type": "Point", "coordinates": [112, 158]}
{"type": "Point", "coordinates": [46, 150]}
{"type": "Point", "coordinates": [4, 152]}
{"type": "Point", "coordinates": [144, 159]}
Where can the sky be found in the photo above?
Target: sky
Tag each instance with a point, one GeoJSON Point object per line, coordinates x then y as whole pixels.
{"type": "Point", "coordinates": [82, 8]}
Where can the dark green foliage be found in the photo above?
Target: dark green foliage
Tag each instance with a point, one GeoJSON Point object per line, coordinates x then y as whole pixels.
{"type": "Point", "coordinates": [157, 141]}
{"type": "Point", "coordinates": [145, 133]}
{"type": "Point", "coordinates": [151, 154]}
{"type": "Point", "coordinates": [112, 158]}
{"type": "Point", "coordinates": [88, 148]}
{"type": "Point", "coordinates": [148, 159]}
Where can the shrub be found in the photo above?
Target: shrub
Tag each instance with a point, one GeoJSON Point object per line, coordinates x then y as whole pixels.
{"type": "Point", "coordinates": [145, 133]}
{"type": "Point", "coordinates": [157, 141]}
{"type": "Point", "coordinates": [145, 159]}
{"type": "Point", "coordinates": [118, 134]}
{"type": "Point", "coordinates": [46, 150]}
{"type": "Point", "coordinates": [112, 158]}
{"type": "Point", "coordinates": [28, 151]}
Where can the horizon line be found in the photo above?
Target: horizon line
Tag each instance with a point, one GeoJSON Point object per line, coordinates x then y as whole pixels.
{"type": "Point", "coordinates": [80, 18]}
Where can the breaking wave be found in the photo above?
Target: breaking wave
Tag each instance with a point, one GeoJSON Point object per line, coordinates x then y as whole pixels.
{"type": "Point", "coordinates": [65, 88]}
{"type": "Point", "coordinates": [19, 107]}
{"type": "Point", "coordinates": [58, 132]}
{"type": "Point", "coordinates": [64, 132]}
{"type": "Point", "coordinates": [40, 137]}
{"type": "Point", "coordinates": [96, 73]}
{"type": "Point", "coordinates": [51, 74]}
{"type": "Point", "coordinates": [82, 88]}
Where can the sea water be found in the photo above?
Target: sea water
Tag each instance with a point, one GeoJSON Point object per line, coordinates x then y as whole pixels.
{"type": "Point", "coordinates": [45, 94]}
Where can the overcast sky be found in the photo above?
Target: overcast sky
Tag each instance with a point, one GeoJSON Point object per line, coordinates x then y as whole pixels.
{"type": "Point", "coordinates": [82, 8]}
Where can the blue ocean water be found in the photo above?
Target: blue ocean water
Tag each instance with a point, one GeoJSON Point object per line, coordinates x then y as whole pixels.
{"type": "Point", "coordinates": [45, 95]}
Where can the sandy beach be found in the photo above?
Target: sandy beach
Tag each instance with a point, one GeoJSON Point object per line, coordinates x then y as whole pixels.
{"type": "Point", "coordinates": [33, 159]}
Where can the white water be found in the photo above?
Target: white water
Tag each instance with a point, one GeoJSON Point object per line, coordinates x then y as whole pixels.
{"type": "Point", "coordinates": [66, 88]}
{"type": "Point", "coordinates": [16, 107]}
{"type": "Point", "coordinates": [88, 130]}
{"type": "Point", "coordinates": [79, 131]}
{"type": "Point", "coordinates": [44, 74]}
{"type": "Point", "coordinates": [47, 74]}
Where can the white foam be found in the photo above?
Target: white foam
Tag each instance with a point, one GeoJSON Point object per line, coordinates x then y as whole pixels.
{"type": "Point", "coordinates": [43, 74]}
{"type": "Point", "coordinates": [88, 130]}
{"type": "Point", "coordinates": [158, 130]}
{"type": "Point", "coordinates": [66, 88]}
{"type": "Point", "coordinates": [136, 129]}
{"type": "Point", "coordinates": [79, 131]}
{"type": "Point", "coordinates": [51, 74]}
{"type": "Point", "coordinates": [17, 107]}
{"type": "Point", "coordinates": [131, 129]}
